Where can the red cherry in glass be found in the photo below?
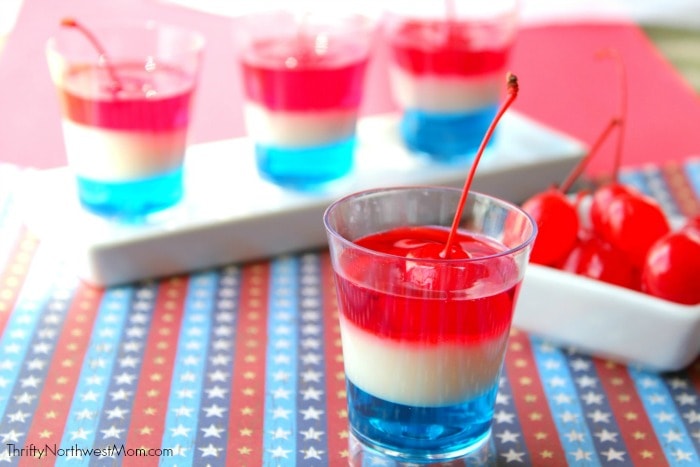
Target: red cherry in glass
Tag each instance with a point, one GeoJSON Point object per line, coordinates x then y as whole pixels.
{"type": "Point", "coordinates": [557, 226]}
{"type": "Point", "coordinates": [671, 268]}
{"type": "Point", "coordinates": [631, 224]}
{"type": "Point", "coordinates": [597, 259]}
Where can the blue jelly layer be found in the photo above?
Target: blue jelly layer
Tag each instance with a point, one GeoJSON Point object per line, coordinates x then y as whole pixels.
{"type": "Point", "coordinates": [306, 167]}
{"type": "Point", "coordinates": [131, 199]}
{"type": "Point", "coordinates": [446, 137]}
{"type": "Point", "coordinates": [419, 432]}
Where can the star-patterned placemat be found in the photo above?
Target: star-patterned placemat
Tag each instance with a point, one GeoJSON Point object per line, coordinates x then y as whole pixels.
{"type": "Point", "coordinates": [241, 366]}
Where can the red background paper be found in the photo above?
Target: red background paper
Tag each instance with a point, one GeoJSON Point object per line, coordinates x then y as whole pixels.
{"type": "Point", "coordinates": [562, 84]}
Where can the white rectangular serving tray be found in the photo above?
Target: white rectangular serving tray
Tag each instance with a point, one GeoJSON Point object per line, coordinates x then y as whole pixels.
{"type": "Point", "coordinates": [229, 214]}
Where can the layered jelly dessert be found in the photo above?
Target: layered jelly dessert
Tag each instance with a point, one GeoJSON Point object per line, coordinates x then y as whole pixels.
{"type": "Point", "coordinates": [446, 75]}
{"type": "Point", "coordinates": [302, 100]}
{"type": "Point", "coordinates": [424, 340]}
{"type": "Point", "coordinates": [126, 140]}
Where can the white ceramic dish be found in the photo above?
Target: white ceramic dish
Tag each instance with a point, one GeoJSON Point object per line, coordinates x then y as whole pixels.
{"type": "Point", "coordinates": [608, 321]}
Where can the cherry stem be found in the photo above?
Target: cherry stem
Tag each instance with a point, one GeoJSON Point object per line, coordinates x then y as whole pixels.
{"type": "Point", "coordinates": [512, 83]}
{"type": "Point", "coordinates": [622, 110]}
{"type": "Point", "coordinates": [72, 23]}
{"type": "Point", "coordinates": [579, 168]}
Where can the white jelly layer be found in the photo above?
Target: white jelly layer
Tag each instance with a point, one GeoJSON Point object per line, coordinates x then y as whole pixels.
{"type": "Point", "coordinates": [445, 94]}
{"type": "Point", "coordinates": [415, 374]}
{"type": "Point", "coordinates": [298, 129]}
{"type": "Point", "coordinates": [116, 155]}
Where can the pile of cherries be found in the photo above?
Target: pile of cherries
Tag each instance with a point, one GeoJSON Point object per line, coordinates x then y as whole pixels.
{"type": "Point", "coordinates": [623, 238]}
{"type": "Point", "coordinates": [617, 235]}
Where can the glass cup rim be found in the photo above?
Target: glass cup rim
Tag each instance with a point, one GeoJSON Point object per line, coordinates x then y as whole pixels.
{"type": "Point", "coordinates": [196, 39]}
{"type": "Point", "coordinates": [349, 243]}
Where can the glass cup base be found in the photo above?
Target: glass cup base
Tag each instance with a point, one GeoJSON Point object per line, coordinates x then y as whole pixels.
{"type": "Point", "coordinates": [131, 201]}
{"type": "Point", "coordinates": [480, 453]}
{"type": "Point", "coordinates": [308, 168]}
{"type": "Point", "coordinates": [451, 138]}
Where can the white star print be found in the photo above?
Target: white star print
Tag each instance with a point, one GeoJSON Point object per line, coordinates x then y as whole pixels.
{"type": "Point", "coordinates": [312, 434]}
{"type": "Point", "coordinates": [209, 450]}
{"type": "Point", "coordinates": [503, 417]}
{"type": "Point", "coordinates": [605, 435]}
{"type": "Point", "coordinates": [586, 381]}
{"type": "Point", "coordinates": [183, 411]}
{"type": "Point", "coordinates": [557, 381]}
{"type": "Point", "coordinates": [613, 455]}
{"type": "Point", "coordinates": [311, 413]}
{"type": "Point", "coordinates": [686, 399]}
{"type": "Point", "coordinates": [281, 375]}
{"type": "Point", "coordinates": [116, 412]}
{"type": "Point", "coordinates": [312, 393]}
{"type": "Point", "coordinates": [312, 453]}
{"type": "Point", "coordinates": [591, 398]}
{"type": "Point", "coordinates": [311, 376]}
{"type": "Point", "coordinates": [692, 416]}
{"type": "Point", "coordinates": [681, 455]}
{"type": "Point", "coordinates": [80, 433]}
{"type": "Point", "coordinates": [85, 414]}
{"type": "Point", "coordinates": [214, 411]}
{"type": "Point", "coordinates": [212, 431]}
{"type": "Point", "coordinates": [664, 417]}
{"type": "Point", "coordinates": [111, 432]}
{"type": "Point", "coordinates": [282, 359]}
{"type": "Point", "coordinates": [574, 435]}
{"type": "Point", "coordinates": [310, 343]}
{"type": "Point", "coordinates": [508, 437]}
{"type": "Point", "coordinates": [580, 365]}
{"type": "Point", "coordinates": [311, 358]}
{"type": "Point", "coordinates": [599, 416]}
{"type": "Point", "coordinates": [11, 436]}
{"type": "Point", "coordinates": [120, 395]}
{"type": "Point", "coordinates": [281, 393]}
{"type": "Point", "coordinates": [280, 433]}
{"type": "Point", "coordinates": [278, 452]}
{"type": "Point", "coordinates": [580, 454]}
{"type": "Point", "coordinates": [18, 416]}
{"type": "Point", "coordinates": [180, 430]}
{"type": "Point", "coordinates": [216, 392]}
{"type": "Point", "coordinates": [125, 378]}
{"type": "Point", "coordinates": [562, 399]}
{"type": "Point", "coordinates": [218, 376]}
{"type": "Point", "coordinates": [280, 412]}
{"type": "Point", "coordinates": [513, 456]}
{"type": "Point", "coordinates": [502, 398]}
{"type": "Point", "coordinates": [672, 436]}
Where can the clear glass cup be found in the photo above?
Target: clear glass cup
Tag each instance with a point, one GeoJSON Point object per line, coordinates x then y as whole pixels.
{"type": "Point", "coordinates": [303, 76]}
{"type": "Point", "coordinates": [126, 112]}
{"type": "Point", "coordinates": [447, 64]}
{"type": "Point", "coordinates": [424, 339]}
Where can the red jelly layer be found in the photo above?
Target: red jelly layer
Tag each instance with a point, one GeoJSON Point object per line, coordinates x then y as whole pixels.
{"type": "Point", "coordinates": [293, 76]}
{"type": "Point", "coordinates": [425, 304]}
{"type": "Point", "coordinates": [154, 100]}
{"type": "Point", "coordinates": [449, 48]}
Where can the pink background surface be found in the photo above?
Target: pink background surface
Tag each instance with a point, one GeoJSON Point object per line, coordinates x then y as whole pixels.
{"type": "Point", "coordinates": [562, 84]}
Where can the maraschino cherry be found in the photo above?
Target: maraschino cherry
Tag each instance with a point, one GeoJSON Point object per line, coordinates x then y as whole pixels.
{"type": "Point", "coordinates": [556, 214]}
{"type": "Point", "coordinates": [621, 215]}
{"type": "Point", "coordinates": [672, 266]}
